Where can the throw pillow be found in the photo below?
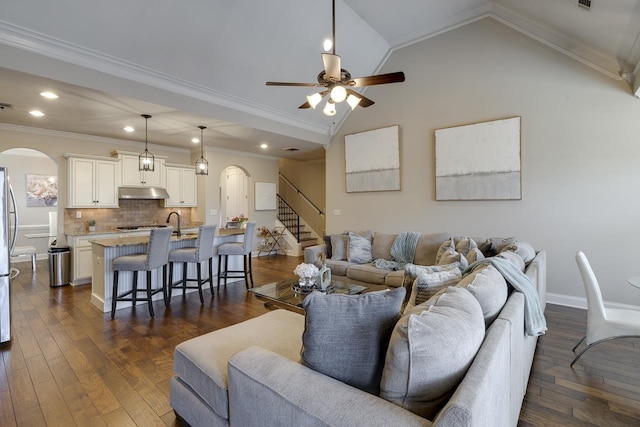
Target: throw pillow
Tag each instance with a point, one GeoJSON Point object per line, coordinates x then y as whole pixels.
{"type": "Point", "coordinates": [488, 248]}
{"type": "Point", "coordinates": [465, 245]}
{"type": "Point", "coordinates": [327, 242]}
{"type": "Point", "coordinates": [346, 336]}
{"type": "Point", "coordinates": [430, 350]}
{"type": "Point", "coordinates": [450, 256]}
{"type": "Point", "coordinates": [488, 286]}
{"type": "Point", "coordinates": [524, 249]}
{"type": "Point", "coordinates": [339, 247]}
{"type": "Point", "coordinates": [359, 249]}
{"type": "Point", "coordinates": [427, 285]}
{"type": "Point", "coordinates": [445, 246]}
{"type": "Point", "coordinates": [474, 255]}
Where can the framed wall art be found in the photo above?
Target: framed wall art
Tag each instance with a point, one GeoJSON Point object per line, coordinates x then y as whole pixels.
{"type": "Point", "coordinates": [372, 160]}
{"type": "Point", "coordinates": [479, 161]}
{"type": "Point", "coordinates": [265, 196]}
{"type": "Point", "coordinates": [42, 190]}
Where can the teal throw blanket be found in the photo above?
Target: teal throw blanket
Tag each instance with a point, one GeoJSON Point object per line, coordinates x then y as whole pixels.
{"type": "Point", "coordinates": [534, 322]}
{"type": "Point", "coordinates": [403, 251]}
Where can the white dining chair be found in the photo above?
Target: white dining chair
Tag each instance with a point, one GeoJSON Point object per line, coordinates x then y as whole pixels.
{"type": "Point", "coordinates": [603, 324]}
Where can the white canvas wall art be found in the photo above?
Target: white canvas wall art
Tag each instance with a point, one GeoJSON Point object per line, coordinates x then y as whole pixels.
{"type": "Point", "coordinates": [372, 160]}
{"type": "Point", "coordinates": [479, 161]}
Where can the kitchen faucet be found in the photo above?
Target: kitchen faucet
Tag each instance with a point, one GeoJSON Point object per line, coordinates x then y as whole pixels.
{"type": "Point", "coordinates": [178, 215]}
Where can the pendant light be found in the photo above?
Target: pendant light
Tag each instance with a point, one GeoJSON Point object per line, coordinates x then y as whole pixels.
{"type": "Point", "coordinates": [146, 160]}
{"type": "Point", "coordinates": [202, 165]}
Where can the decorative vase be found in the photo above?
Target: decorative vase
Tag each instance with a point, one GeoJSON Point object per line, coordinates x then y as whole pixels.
{"type": "Point", "coordinates": [92, 228]}
{"type": "Point", "coordinates": [324, 278]}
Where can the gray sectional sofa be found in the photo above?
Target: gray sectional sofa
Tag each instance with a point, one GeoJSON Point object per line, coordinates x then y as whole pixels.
{"type": "Point", "coordinates": [250, 374]}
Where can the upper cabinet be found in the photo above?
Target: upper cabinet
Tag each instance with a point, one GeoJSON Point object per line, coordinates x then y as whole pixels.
{"type": "Point", "coordinates": [182, 186]}
{"type": "Point", "coordinates": [93, 182]}
{"type": "Point", "coordinates": [132, 176]}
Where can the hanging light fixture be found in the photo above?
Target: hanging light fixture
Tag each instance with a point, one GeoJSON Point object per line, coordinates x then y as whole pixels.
{"type": "Point", "coordinates": [202, 165]}
{"type": "Point", "coordinates": [146, 160]}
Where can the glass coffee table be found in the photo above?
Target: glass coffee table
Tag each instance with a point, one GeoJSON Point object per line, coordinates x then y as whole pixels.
{"type": "Point", "coordinates": [282, 295]}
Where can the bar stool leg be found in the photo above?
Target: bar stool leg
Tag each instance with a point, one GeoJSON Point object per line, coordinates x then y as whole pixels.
{"type": "Point", "coordinates": [164, 285]}
{"type": "Point", "coordinates": [184, 279]}
{"type": "Point", "coordinates": [114, 296]}
{"type": "Point", "coordinates": [149, 294]}
{"type": "Point", "coordinates": [250, 270]}
{"type": "Point", "coordinates": [199, 268]}
{"type": "Point", "coordinates": [170, 284]}
{"type": "Point", "coordinates": [226, 269]}
{"type": "Point", "coordinates": [33, 262]}
{"type": "Point", "coordinates": [134, 292]}
{"type": "Point", "coordinates": [246, 276]}
{"type": "Point", "coordinates": [219, 273]}
{"type": "Point", "coordinates": [211, 275]}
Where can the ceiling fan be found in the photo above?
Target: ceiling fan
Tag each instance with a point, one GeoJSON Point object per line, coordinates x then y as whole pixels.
{"type": "Point", "coordinates": [338, 81]}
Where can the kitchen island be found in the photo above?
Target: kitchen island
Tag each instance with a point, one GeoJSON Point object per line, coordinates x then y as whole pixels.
{"type": "Point", "coordinates": [105, 250]}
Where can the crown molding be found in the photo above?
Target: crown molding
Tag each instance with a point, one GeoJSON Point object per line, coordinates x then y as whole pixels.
{"type": "Point", "coordinates": [41, 44]}
{"type": "Point", "coordinates": [602, 62]}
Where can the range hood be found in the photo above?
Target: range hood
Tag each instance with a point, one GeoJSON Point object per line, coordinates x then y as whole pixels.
{"type": "Point", "coordinates": [144, 193]}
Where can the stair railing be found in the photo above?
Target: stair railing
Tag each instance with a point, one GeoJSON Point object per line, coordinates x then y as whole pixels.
{"type": "Point", "coordinates": [289, 217]}
{"type": "Point", "coordinates": [304, 197]}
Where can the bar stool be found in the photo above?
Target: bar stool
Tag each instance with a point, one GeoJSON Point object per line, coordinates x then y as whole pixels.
{"type": "Point", "coordinates": [157, 256]}
{"type": "Point", "coordinates": [203, 251]}
{"type": "Point", "coordinates": [237, 248]}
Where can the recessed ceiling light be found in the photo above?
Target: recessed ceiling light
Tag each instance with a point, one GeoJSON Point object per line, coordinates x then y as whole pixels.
{"type": "Point", "coordinates": [49, 95]}
{"type": "Point", "coordinates": [264, 146]}
{"type": "Point", "coordinates": [128, 129]}
{"type": "Point", "coordinates": [195, 140]}
{"type": "Point", "coordinates": [36, 113]}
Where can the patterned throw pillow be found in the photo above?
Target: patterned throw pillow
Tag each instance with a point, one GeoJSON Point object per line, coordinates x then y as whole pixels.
{"type": "Point", "coordinates": [427, 285]}
{"type": "Point", "coordinates": [339, 247]}
{"type": "Point", "coordinates": [359, 249]}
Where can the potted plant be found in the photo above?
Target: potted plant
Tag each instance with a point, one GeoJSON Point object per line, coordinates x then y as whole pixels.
{"type": "Point", "coordinates": [92, 224]}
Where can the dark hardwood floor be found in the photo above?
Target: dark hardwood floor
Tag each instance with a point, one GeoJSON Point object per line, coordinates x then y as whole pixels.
{"type": "Point", "coordinates": [69, 365]}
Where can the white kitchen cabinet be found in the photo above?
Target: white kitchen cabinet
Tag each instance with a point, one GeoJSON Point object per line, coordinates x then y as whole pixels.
{"type": "Point", "coordinates": [182, 186]}
{"type": "Point", "coordinates": [93, 183]}
{"type": "Point", "coordinates": [132, 176]}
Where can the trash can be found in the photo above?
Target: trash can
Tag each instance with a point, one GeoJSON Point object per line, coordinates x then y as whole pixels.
{"type": "Point", "coordinates": [59, 265]}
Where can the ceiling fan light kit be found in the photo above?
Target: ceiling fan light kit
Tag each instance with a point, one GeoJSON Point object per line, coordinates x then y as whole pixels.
{"type": "Point", "coordinates": [146, 160]}
{"type": "Point", "coordinates": [338, 81]}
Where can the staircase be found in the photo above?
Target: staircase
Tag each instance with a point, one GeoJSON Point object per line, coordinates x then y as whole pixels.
{"type": "Point", "coordinates": [291, 220]}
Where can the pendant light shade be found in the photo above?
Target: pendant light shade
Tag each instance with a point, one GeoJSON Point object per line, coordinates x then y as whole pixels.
{"type": "Point", "coordinates": [202, 165]}
{"type": "Point", "coordinates": [146, 160]}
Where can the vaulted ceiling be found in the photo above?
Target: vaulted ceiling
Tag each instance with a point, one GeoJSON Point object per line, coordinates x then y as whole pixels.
{"type": "Point", "coordinates": [206, 62]}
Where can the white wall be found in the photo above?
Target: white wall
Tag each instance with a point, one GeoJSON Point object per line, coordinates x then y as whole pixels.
{"type": "Point", "coordinates": [580, 147]}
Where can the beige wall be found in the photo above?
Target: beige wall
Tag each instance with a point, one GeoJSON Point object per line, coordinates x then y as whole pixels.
{"type": "Point", "coordinates": [580, 147]}
{"type": "Point", "coordinates": [309, 178]}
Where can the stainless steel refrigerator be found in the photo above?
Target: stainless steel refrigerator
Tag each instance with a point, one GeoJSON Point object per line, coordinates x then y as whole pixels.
{"type": "Point", "coordinates": [8, 231]}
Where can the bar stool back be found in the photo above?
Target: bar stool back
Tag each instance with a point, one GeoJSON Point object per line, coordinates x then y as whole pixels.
{"type": "Point", "coordinates": [203, 251]}
{"type": "Point", "coordinates": [237, 248]}
{"type": "Point", "coordinates": [157, 256]}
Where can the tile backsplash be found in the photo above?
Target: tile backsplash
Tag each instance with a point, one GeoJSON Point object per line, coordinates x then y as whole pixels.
{"type": "Point", "coordinates": [130, 212]}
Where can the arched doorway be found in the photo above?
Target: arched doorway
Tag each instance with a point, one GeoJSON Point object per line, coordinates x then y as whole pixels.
{"type": "Point", "coordinates": [234, 193]}
{"type": "Point", "coordinates": [34, 178]}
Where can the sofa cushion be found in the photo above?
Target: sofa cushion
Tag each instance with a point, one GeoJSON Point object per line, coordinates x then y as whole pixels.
{"type": "Point", "coordinates": [338, 268]}
{"type": "Point", "coordinates": [488, 286]}
{"type": "Point", "coordinates": [358, 249]}
{"type": "Point", "coordinates": [201, 362]}
{"type": "Point", "coordinates": [427, 248]}
{"type": "Point", "coordinates": [381, 246]}
{"type": "Point", "coordinates": [427, 285]}
{"type": "Point", "coordinates": [430, 350]}
{"type": "Point", "coordinates": [367, 273]}
{"type": "Point", "coordinates": [394, 279]}
{"type": "Point", "coordinates": [346, 336]}
{"type": "Point", "coordinates": [339, 244]}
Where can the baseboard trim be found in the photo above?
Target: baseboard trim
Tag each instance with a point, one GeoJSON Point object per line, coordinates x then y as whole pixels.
{"type": "Point", "coordinates": [580, 302]}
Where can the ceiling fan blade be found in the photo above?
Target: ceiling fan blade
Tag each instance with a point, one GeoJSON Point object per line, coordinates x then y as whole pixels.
{"type": "Point", "coordinates": [293, 84]}
{"type": "Point", "coordinates": [331, 66]}
{"type": "Point", "coordinates": [365, 102]}
{"type": "Point", "coordinates": [380, 79]}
